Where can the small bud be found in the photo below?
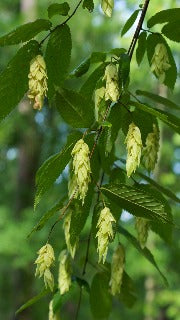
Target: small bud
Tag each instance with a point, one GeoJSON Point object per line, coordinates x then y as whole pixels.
{"type": "Point", "coordinates": [37, 82]}
{"type": "Point", "coordinates": [142, 227]}
{"type": "Point", "coordinates": [65, 270]}
{"type": "Point", "coordinates": [82, 169]}
{"type": "Point", "coordinates": [160, 61]}
{"type": "Point", "coordinates": [150, 152]}
{"type": "Point", "coordinates": [134, 146]}
{"type": "Point", "coordinates": [105, 232]}
{"type": "Point", "coordinates": [99, 97]}
{"type": "Point", "coordinates": [52, 316]}
{"type": "Point", "coordinates": [44, 261]}
{"type": "Point", "coordinates": [66, 226]}
{"type": "Point", "coordinates": [111, 77]}
{"type": "Point", "coordinates": [107, 7]}
{"type": "Point", "coordinates": [117, 268]}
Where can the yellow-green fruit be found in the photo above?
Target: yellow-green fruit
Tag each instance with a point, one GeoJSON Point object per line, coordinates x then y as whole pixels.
{"type": "Point", "coordinates": [117, 268]}
{"type": "Point", "coordinates": [134, 147]}
{"type": "Point", "coordinates": [150, 152]}
{"type": "Point", "coordinates": [105, 232]}
{"type": "Point", "coordinates": [160, 62]}
{"type": "Point", "coordinates": [52, 316]}
{"type": "Point", "coordinates": [112, 88]}
{"type": "Point", "coordinates": [66, 227]}
{"type": "Point", "coordinates": [99, 97]}
{"type": "Point", "coordinates": [37, 82]}
{"type": "Point", "coordinates": [107, 7]}
{"type": "Point", "coordinates": [142, 227]}
{"type": "Point", "coordinates": [81, 167]}
{"type": "Point", "coordinates": [44, 262]}
{"type": "Point", "coordinates": [65, 271]}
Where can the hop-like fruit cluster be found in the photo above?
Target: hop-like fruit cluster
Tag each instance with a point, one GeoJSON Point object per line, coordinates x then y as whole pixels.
{"type": "Point", "coordinates": [82, 169]}
{"type": "Point", "coordinates": [105, 232]}
{"type": "Point", "coordinates": [112, 88]}
{"type": "Point", "coordinates": [150, 152]}
{"type": "Point", "coordinates": [134, 146]}
{"type": "Point", "coordinates": [160, 62]}
{"type": "Point", "coordinates": [99, 98]}
{"type": "Point", "coordinates": [142, 227]}
{"type": "Point", "coordinates": [52, 316]}
{"type": "Point", "coordinates": [37, 82]}
{"type": "Point", "coordinates": [107, 7]}
{"type": "Point", "coordinates": [44, 262]}
{"type": "Point", "coordinates": [117, 268]}
{"type": "Point", "coordinates": [66, 226]}
{"type": "Point", "coordinates": [65, 270]}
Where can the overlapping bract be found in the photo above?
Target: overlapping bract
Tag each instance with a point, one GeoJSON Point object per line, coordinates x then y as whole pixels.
{"type": "Point", "coordinates": [44, 262]}
{"type": "Point", "coordinates": [66, 226]}
{"type": "Point", "coordinates": [111, 78]}
{"type": "Point", "coordinates": [37, 82]}
{"type": "Point", "coordinates": [142, 227]}
{"type": "Point", "coordinates": [99, 98]}
{"type": "Point", "coordinates": [107, 7]}
{"type": "Point", "coordinates": [134, 147]}
{"type": "Point", "coordinates": [160, 62]}
{"type": "Point", "coordinates": [82, 170]}
{"type": "Point", "coordinates": [105, 232]}
{"type": "Point", "coordinates": [150, 152]}
{"type": "Point", "coordinates": [52, 316]}
{"type": "Point", "coordinates": [65, 270]}
{"type": "Point", "coordinates": [117, 268]}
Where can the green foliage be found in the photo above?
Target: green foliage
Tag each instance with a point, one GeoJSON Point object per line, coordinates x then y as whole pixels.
{"type": "Point", "coordinates": [100, 297]}
{"type": "Point", "coordinates": [75, 108]}
{"type": "Point", "coordinates": [14, 79]}
{"type": "Point", "coordinates": [88, 4]}
{"type": "Point", "coordinates": [85, 64]}
{"type": "Point", "coordinates": [172, 31]}
{"type": "Point", "coordinates": [32, 301]}
{"type": "Point", "coordinates": [141, 48]}
{"type": "Point", "coordinates": [129, 23]}
{"type": "Point", "coordinates": [58, 54]}
{"type": "Point", "coordinates": [124, 70]}
{"type": "Point", "coordinates": [25, 32]}
{"type": "Point", "coordinates": [58, 9]}
{"type": "Point", "coordinates": [169, 15]}
{"type": "Point", "coordinates": [171, 73]}
{"type": "Point", "coordinates": [128, 291]}
{"type": "Point", "coordinates": [136, 201]}
{"type": "Point", "coordinates": [145, 252]}
{"type": "Point", "coordinates": [155, 97]}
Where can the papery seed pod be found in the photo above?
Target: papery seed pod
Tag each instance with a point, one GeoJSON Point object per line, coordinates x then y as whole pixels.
{"type": "Point", "coordinates": [160, 62]}
{"type": "Point", "coordinates": [52, 316]}
{"type": "Point", "coordinates": [65, 271]}
{"type": "Point", "coordinates": [99, 99]}
{"type": "Point", "coordinates": [66, 227]}
{"type": "Point", "coordinates": [44, 262]}
{"type": "Point", "coordinates": [37, 82]}
{"type": "Point", "coordinates": [105, 232]}
{"type": "Point", "coordinates": [81, 167]}
{"type": "Point", "coordinates": [134, 147]}
{"type": "Point", "coordinates": [142, 227]}
{"type": "Point", "coordinates": [150, 152]}
{"type": "Point", "coordinates": [111, 78]}
{"type": "Point", "coordinates": [117, 268]}
{"type": "Point", "coordinates": [107, 7]}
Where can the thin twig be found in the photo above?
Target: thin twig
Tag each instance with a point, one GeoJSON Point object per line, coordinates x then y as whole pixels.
{"type": "Point", "coordinates": [61, 24]}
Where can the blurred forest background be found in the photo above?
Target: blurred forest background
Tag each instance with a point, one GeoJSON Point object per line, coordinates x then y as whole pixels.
{"type": "Point", "coordinates": [27, 138]}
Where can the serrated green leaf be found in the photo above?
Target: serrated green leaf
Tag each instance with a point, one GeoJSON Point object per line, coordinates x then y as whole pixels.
{"type": "Point", "coordinates": [128, 292]}
{"type": "Point", "coordinates": [117, 51]}
{"type": "Point", "coordinates": [25, 32]}
{"type": "Point", "coordinates": [145, 252]}
{"type": "Point", "coordinates": [58, 54]}
{"type": "Point", "coordinates": [32, 301]}
{"type": "Point", "coordinates": [166, 117]}
{"type": "Point", "coordinates": [100, 297]}
{"type": "Point", "coordinates": [164, 101]}
{"type": "Point", "coordinates": [141, 48]}
{"type": "Point", "coordinates": [169, 15]}
{"type": "Point", "coordinates": [136, 201]}
{"type": "Point", "coordinates": [75, 109]}
{"type": "Point", "coordinates": [117, 176]}
{"type": "Point", "coordinates": [81, 69]}
{"type": "Point", "coordinates": [172, 31]}
{"type": "Point", "coordinates": [88, 4]}
{"type": "Point", "coordinates": [14, 79]}
{"type": "Point", "coordinates": [45, 218]}
{"type": "Point", "coordinates": [50, 171]}
{"type": "Point", "coordinates": [171, 73]}
{"type": "Point", "coordinates": [129, 22]}
{"type": "Point", "coordinates": [58, 8]}
{"type": "Point", "coordinates": [98, 57]}
{"type": "Point", "coordinates": [89, 86]}
{"type": "Point", "coordinates": [124, 70]}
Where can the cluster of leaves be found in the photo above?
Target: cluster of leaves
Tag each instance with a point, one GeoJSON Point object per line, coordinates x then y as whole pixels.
{"type": "Point", "coordinates": [77, 110]}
